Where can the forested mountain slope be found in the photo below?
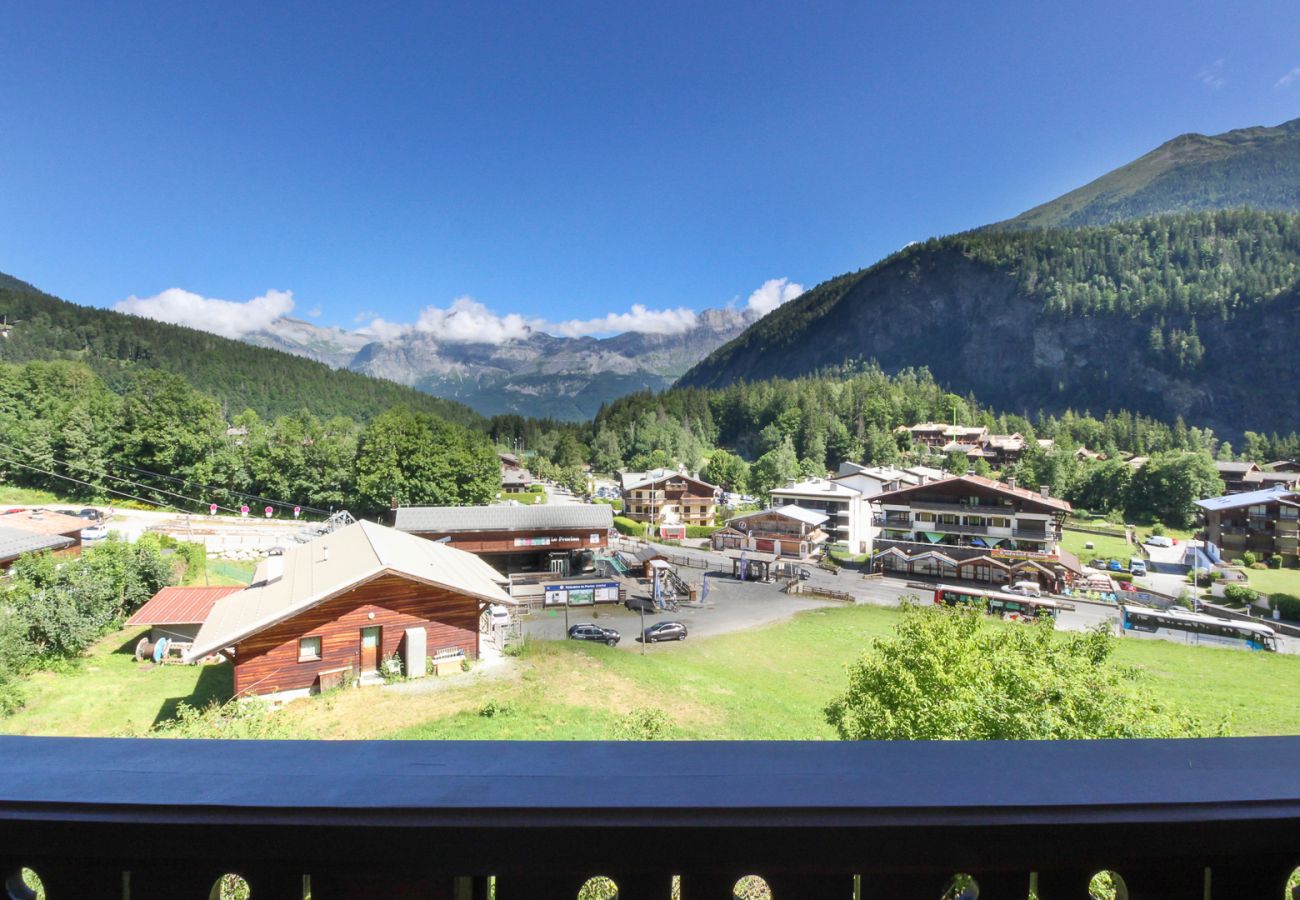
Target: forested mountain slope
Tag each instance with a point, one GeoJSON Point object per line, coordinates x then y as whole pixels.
{"type": "Point", "coordinates": [237, 374]}
{"type": "Point", "coordinates": [1255, 167]}
{"type": "Point", "coordinates": [1195, 315]}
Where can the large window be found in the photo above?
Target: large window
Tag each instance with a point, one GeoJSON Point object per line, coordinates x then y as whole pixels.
{"type": "Point", "coordinates": [309, 649]}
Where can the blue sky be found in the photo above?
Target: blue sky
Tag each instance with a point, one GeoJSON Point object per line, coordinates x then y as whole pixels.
{"type": "Point", "coordinates": [568, 161]}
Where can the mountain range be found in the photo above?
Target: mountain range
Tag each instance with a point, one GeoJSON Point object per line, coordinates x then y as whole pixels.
{"type": "Point", "coordinates": [540, 375]}
{"type": "Point", "coordinates": [1129, 292]}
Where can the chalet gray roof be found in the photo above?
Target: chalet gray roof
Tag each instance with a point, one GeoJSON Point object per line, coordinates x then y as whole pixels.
{"type": "Point", "coordinates": [1236, 501]}
{"type": "Point", "coordinates": [453, 519]}
{"type": "Point", "coordinates": [1234, 467]}
{"type": "Point", "coordinates": [14, 542]}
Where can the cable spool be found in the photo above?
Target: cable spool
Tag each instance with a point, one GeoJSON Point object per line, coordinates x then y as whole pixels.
{"type": "Point", "coordinates": [144, 649]}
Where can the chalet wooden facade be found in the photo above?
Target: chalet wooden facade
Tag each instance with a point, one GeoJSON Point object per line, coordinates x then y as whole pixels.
{"type": "Point", "coordinates": [788, 531]}
{"type": "Point", "coordinates": [343, 604]}
{"type": "Point", "coordinates": [669, 497]}
{"type": "Point", "coordinates": [542, 538]}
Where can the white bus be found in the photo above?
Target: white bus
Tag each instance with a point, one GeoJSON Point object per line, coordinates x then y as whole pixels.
{"type": "Point", "coordinates": [998, 603]}
{"type": "Point", "coordinates": [1187, 627]}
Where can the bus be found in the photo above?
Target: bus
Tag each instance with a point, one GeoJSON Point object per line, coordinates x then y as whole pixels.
{"type": "Point", "coordinates": [998, 603]}
{"type": "Point", "coordinates": [1188, 627]}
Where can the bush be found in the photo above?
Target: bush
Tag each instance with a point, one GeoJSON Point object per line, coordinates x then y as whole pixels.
{"type": "Point", "coordinates": [628, 527]}
{"type": "Point", "coordinates": [1286, 604]}
{"type": "Point", "coordinates": [1122, 576]}
{"type": "Point", "coordinates": [645, 723]}
{"type": "Point", "coordinates": [1240, 594]}
{"type": "Point", "coordinates": [537, 489]}
{"type": "Point", "coordinates": [490, 709]}
{"type": "Point", "coordinates": [1275, 561]}
{"type": "Point", "coordinates": [614, 502]}
{"type": "Point", "coordinates": [1249, 559]}
{"type": "Point", "coordinates": [1157, 529]}
{"type": "Point", "coordinates": [700, 531]}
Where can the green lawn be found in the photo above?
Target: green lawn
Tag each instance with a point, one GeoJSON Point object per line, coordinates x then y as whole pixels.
{"type": "Point", "coordinates": [1275, 581]}
{"type": "Point", "coordinates": [767, 683]}
{"type": "Point", "coordinates": [1109, 547]}
{"type": "Point", "coordinates": [109, 693]}
{"type": "Point", "coordinates": [227, 573]}
{"type": "Point", "coordinates": [525, 497]}
{"type": "Point", "coordinates": [11, 496]}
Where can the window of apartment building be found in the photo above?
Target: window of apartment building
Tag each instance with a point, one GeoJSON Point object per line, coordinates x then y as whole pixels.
{"type": "Point", "coordinates": [1288, 512]}
{"type": "Point", "coordinates": [999, 523]}
{"type": "Point", "coordinates": [978, 521]}
{"type": "Point", "coordinates": [1259, 509]}
{"type": "Point", "coordinates": [949, 519]}
{"type": "Point", "coordinates": [920, 517]}
{"type": "Point", "coordinates": [308, 649]}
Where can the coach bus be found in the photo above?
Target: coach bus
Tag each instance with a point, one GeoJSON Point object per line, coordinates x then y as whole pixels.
{"type": "Point", "coordinates": [1182, 625]}
{"type": "Point", "coordinates": [997, 603]}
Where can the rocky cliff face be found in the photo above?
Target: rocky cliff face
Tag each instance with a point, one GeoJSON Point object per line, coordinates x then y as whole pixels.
{"type": "Point", "coordinates": [978, 332]}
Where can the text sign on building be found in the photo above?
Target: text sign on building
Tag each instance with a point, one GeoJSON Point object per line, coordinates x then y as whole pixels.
{"type": "Point", "coordinates": [581, 594]}
{"type": "Point", "coordinates": [999, 553]}
{"type": "Point", "coordinates": [533, 542]}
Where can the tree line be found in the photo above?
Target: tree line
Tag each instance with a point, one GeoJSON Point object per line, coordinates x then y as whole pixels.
{"type": "Point", "coordinates": [63, 429]}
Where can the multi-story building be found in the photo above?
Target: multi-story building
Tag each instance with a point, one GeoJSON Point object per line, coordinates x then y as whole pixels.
{"type": "Point", "coordinates": [1264, 522]}
{"type": "Point", "coordinates": [666, 497]}
{"type": "Point", "coordinates": [973, 529]}
{"type": "Point", "coordinates": [789, 531]}
{"type": "Point", "coordinates": [847, 509]}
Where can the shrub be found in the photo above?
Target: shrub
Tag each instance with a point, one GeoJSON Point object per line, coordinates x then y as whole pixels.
{"type": "Point", "coordinates": [1157, 529]}
{"type": "Point", "coordinates": [391, 668]}
{"type": "Point", "coordinates": [700, 531]}
{"type": "Point", "coordinates": [1286, 604]}
{"type": "Point", "coordinates": [1239, 593]}
{"type": "Point", "coordinates": [1122, 576]}
{"type": "Point", "coordinates": [645, 723]}
{"type": "Point", "coordinates": [1249, 559]}
{"type": "Point", "coordinates": [629, 527]}
{"type": "Point", "coordinates": [490, 709]}
{"type": "Point", "coordinates": [1275, 561]}
{"type": "Point", "coordinates": [537, 489]}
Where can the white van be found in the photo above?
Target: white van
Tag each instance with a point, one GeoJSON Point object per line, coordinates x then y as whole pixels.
{"type": "Point", "coordinates": [1137, 566]}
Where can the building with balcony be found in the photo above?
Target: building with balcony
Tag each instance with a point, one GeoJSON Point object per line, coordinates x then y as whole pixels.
{"type": "Point", "coordinates": [516, 539]}
{"type": "Point", "coordinates": [1265, 522]}
{"type": "Point", "coordinates": [337, 607]}
{"type": "Point", "coordinates": [514, 477]}
{"type": "Point", "coordinates": [973, 528]}
{"type": "Point", "coordinates": [847, 509]}
{"type": "Point", "coordinates": [667, 497]}
{"type": "Point", "coordinates": [788, 531]}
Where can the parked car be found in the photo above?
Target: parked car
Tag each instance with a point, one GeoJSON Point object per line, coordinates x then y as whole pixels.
{"type": "Point", "coordinates": [1157, 540]}
{"type": "Point", "coordinates": [1114, 565]}
{"type": "Point", "coordinates": [804, 574]}
{"type": "Point", "coordinates": [1137, 565]}
{"type": "Point", "coordinates": [589, 631]}
{"type": "Point", "coordinates": [89, 513]}
{"type": "Point", "coordinates": [498, 615]}
{"type": "Point", "coordinates": [94, 533]}
{"type": "Point", "coordinates": [664, 631]}
{"type": "Point", "coordinates": [1023, 588]}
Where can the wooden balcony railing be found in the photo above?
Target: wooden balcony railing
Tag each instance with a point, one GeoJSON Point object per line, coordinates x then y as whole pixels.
{"type": "Point", "coordinates": [133, 819]}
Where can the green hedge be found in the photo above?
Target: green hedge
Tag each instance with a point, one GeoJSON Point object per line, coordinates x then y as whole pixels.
{"type": "Point", "coordinates": [628, 527]}
{"type": "Point", "coordinates": [701, 531]}
{"type": "Point", "coordinates": [616, 503]}
{"type": "Point", "coordinates": [1287, 604]}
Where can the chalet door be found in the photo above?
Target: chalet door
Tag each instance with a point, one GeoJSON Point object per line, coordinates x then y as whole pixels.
{"type": "Point", "coordinates": [371, 641]}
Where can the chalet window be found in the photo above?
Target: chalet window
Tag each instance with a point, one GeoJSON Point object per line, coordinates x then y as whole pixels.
{"type": "Point", "coordinates": [1287, 512]}
{"type": "Point", "coordinates": [308, 649]}
{"type": "Point", "coordinates": [923, 517]}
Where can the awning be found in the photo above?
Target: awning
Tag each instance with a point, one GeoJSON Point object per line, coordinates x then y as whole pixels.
{"type": "Point", "coordinates": [977, 542]}
{"type": "Point", "coordinates": [934, 536]}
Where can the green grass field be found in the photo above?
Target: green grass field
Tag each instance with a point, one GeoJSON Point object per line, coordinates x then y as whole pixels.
{"type": "Point", "coordinates": [1103, 545]}
{"type": "Point", "coordinates": [13, 496]}
{"type": "Point", "coordinates": [227, 573]}
{"type": "Point", "coordinates": [767, 683]}
{"type": "Point", "coordinates": [1275, 581]}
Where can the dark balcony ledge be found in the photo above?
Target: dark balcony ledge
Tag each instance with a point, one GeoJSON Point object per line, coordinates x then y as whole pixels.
{"type": "Point", "coordinates": [563, 809]}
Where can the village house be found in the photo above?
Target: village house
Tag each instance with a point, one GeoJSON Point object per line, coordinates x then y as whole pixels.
{"type": "Point", "coordinates": [973, 528]}
{"type": "Point", "coordinates": [514, 477]}
{"type": "Point", "coordinates": [1234, 474]}
{"type": "Point", "coordinates": [1265, 522]}
{"type": "Point", "coordinates": [664, 496]}
{"type": "Point", "coordinates": [48, 524]}
{"type": "Point", "coordinates": [177, 613]}
{"type": "Point", "coordinates": [15, 542]}
{"type": "Point", "coordinates": [541, 538]}
{"type": "Point", "coordinates": [787, 531]}
{"type": "Point", "coordinates": [340, 606]}
{"type": "Point", "coordinates": [847, 509]}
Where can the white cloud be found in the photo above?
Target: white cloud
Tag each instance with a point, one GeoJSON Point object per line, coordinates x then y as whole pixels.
{"type": "Point", "coordinates": [1288, 79]}
{"type": "Point", "coordinates": [640, 319]}
{"type": "Point", "coordinates": [228, 318]}
{"type": "Point", "coordinates": [773, 293]}
{"type": "Point", "coordinates": [383, 330]}
{"type": "Point", "coordinates": [467, 321]}
{"type": "Point", "coordinates": [1212, 76]}
{"type": "Point", "coordinates": [314, 312]}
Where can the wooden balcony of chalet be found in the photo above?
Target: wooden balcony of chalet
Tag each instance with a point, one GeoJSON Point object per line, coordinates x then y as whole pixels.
{"type": "Point", "coordinates": [133, 819]}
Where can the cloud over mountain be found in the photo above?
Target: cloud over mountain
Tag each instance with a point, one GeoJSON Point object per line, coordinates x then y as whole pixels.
{"type": "Point", "coordinates": [228, 318]}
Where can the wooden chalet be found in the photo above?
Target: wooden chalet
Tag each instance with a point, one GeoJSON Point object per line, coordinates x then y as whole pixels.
{"type": "Point", "coordinates": [16, 542]}
{"type": "Point", "coordinates": [344, 603]}
{"type": "Point", "coordinates": [50, 524]}
{"type": "Point", "coordinates": [788, 531]}
{"type": "Point", "coordinates": [669, 497]}
{"type": "Point", "coordinates": [177, 613]}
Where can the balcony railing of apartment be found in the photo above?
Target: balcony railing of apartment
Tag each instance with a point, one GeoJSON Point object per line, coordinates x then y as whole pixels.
{"type": "Point", "coordinates": [950, 528]}
{"type": "Point", "coordinates": [131, 819]}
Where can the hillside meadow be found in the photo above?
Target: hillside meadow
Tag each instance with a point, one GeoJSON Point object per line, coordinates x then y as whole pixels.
{"type": "Point", "coordinates": [767, 683]}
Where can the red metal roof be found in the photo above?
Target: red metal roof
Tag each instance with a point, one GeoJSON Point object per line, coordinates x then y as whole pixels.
{"type": "Point", "coordinates": [180, 606]}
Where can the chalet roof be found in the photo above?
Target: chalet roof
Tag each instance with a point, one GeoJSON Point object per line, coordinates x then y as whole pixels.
{"type": "Point", "coordinates": [180, 605]}
{"type": "Point", "coordinates": [634, 480]}
{"type": "Point", "coordinates": [1283, 465]}
{"type": "Point", "coordinates": [14, 542]}
{"type": "Point", "coordinates": [330, 565]}
{"type": "Point", "coordinates": [982, 561]}
{"type": "Point", "coordinates": [789, 511]}
{"type": "Point", "coordinates": [1231, 467]}
{"type": "Point", "coordinates": [541, 517]}
{"type": "Point", "coordinates": [1269, 478]}
{"type": "Point", "coordinates": [819, 487]}
{"type": "Point", "coordinates": [903, 494]}
{"type": "Point", "coordinates": [43, 521]}
{"type": "Point", "coordinates": [1249, 498]}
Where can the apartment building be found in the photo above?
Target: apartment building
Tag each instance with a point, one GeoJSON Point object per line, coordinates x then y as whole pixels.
{"type": "Point", "coordinates": [848, 509]}
{"type": "Point", "coordinates": [1264, 522]}
{"type": "Point", "coordinates": [668, 497]}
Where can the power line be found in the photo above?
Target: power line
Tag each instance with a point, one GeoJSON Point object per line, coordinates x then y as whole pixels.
{"type": "Point", "coordinates": [107, 490]}
{"type": "Point", "coordinates": [224, 490]}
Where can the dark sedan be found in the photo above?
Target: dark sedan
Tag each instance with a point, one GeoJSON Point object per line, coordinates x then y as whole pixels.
{"type": "Point", "coordinates": [586, 631]}
{"type": "Point", "coordinates": [664, 631]}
